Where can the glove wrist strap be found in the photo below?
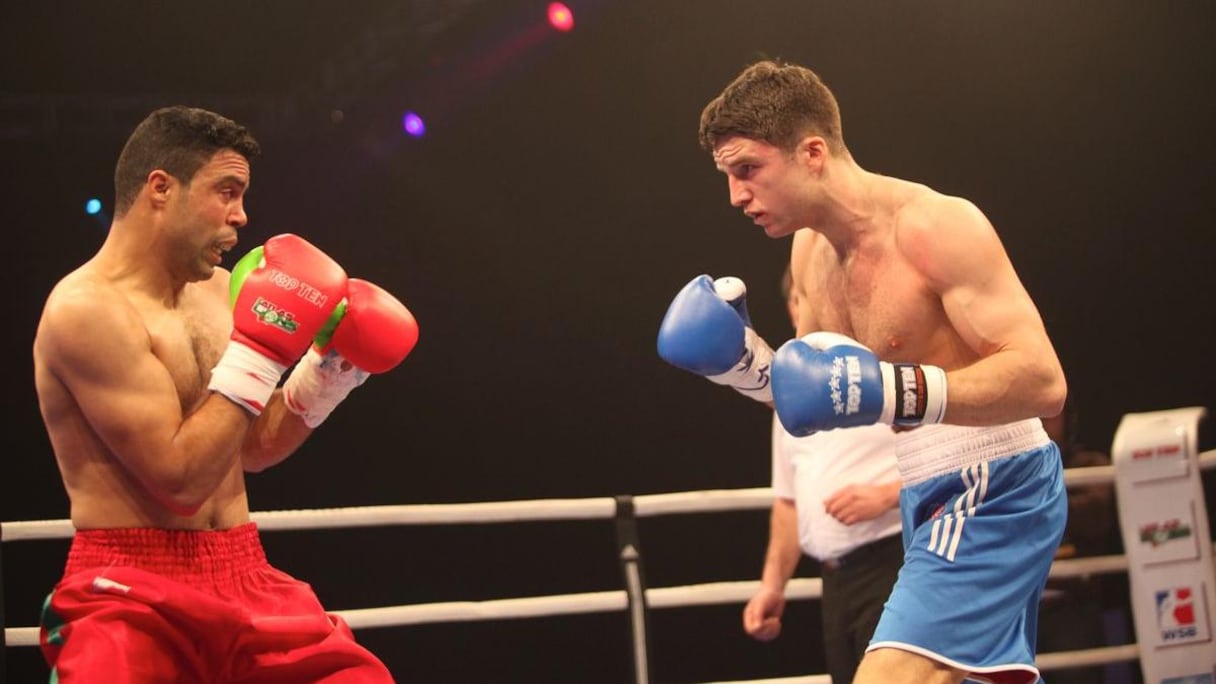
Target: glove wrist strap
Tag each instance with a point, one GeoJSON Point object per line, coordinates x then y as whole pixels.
{"type": "Point", "coordinates": [751, 376]}
{"type": "Point", "coordinates": [246, 376]}
{"type": "Point", "coordinates": [319, 383]}
{"type": "Point", "coordinates": [917, 394]}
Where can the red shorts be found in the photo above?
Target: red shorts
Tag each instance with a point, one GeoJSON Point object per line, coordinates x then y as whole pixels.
{"type": "Point", "coordinates": [151, 605]}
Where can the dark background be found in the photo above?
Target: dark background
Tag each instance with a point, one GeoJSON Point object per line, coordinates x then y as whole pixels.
{"type": "Point", "coordinates": [539, 231]}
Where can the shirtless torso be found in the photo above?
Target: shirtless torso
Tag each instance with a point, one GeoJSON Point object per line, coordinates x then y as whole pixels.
{"type": "Point", "coordinates": [874, 293]}
{"type": "Point", "coordinates": [185, 337]}
{"type": "Point", "coordinates": [923, 278]}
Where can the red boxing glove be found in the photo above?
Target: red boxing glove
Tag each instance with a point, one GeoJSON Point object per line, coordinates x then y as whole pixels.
{"type": "Point", "coordinates": [374, 332]}
{"type": "Point", "coordinates": [282, 294]}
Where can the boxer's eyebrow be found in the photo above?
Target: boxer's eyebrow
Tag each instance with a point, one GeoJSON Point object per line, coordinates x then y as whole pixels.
{"type": "Point", "coordinates": [731, 165]}
{"type": "Point", "coordinates": [239, 184]}
{"type": "Point", "coordinates": [732, 155]}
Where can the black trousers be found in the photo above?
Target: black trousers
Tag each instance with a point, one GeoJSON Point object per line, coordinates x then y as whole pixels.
{"type": "Point", "coordinates": [855, 587]}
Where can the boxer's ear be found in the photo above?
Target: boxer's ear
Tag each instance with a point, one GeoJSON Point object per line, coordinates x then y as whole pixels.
{"type": "Point", "coordinates": [158, 186]}
{"type": "Point", "coordinates": [812, 151]}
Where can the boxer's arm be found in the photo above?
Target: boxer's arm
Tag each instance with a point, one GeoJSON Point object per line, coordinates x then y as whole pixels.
{"type": "Point", "coordinates": [274, 436]}
{"type": "Point", "coordinates": [800, 255]}
{"type": "Point", "coordinates": [707, 331]}
{"type": "Point", "coordinates": [95, 344]}
{"type": "Point", "coordinates": [276, 433]}
{"type": "Point", "coordinates": [762, 614]}
{"type": "Point", "coordinates": [784, 550]}
{"type": "Point", "coordinates": [783, 553]}
{"type": "Point", "coordinates": [375, 332]}
{"type": "Point", "coordinates": [1018, 374]}
{"type": "Point", "coordinates": [858, 502]}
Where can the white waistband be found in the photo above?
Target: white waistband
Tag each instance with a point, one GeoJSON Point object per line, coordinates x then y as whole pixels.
{"type": "Point", "coordinates": [932, 450]}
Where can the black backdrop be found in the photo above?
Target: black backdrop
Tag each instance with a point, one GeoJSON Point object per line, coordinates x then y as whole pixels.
{"type": "Point", "coordinates": [539, 230]}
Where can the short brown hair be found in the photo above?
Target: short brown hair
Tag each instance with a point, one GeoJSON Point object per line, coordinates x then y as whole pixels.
{"type": "Point", "coordinates": [178, 140]}
{"type": "Point", "coordinates": [774, 102]}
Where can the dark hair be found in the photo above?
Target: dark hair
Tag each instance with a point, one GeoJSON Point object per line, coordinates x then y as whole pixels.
{"type": "Point", "coordinates": [178, 140]}
{"type": "Point", "coordinates": [774, 102]}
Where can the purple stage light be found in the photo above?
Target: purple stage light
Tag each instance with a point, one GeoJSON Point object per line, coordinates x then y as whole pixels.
{"type": "Point", "coordinates": [413, 124]}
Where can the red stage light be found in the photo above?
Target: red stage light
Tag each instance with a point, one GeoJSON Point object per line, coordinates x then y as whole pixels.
{"type": "Point", "coordinates": [560, 16]}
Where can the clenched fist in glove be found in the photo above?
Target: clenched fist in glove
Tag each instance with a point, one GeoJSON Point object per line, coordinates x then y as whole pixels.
{"type": "Point", "coordinates": [827, 380]}
{"type": "Point", "coordinates": [282, 293]}
{"type": "Point", "coordinates": [371, 332]}
{"type": "Point", "coordinates": [707, 331]}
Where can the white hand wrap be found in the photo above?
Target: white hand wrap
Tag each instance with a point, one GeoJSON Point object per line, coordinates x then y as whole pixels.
{"type": "Point", "coordinates": [246, 376]}
{"type": "Point", "coordinates": [319, 383]}
{"type": "Point", "coordinates": [751, 376]}
{"type": "Point", "coordinates": [913, 394]}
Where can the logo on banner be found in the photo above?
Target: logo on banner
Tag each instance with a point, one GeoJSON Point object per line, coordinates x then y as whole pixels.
{"type": "Point", "coordinates": [1176, 614]}
{"type": "Point", "coordinates": [1156, 461]}
{"type": "Point", "coordinates": [1158, 533]}
{"type": "Point", "coordinates": [1162, 451]}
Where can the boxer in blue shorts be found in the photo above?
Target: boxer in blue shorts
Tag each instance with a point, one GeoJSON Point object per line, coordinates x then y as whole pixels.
{"type": "Point", "coordinates": [983, 511]}
{"type": "Point", "coordinates": [903, 291]}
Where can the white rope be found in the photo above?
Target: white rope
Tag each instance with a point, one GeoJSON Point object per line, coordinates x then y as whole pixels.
{"type": "Point", "coordinates": [1088, 657]}
{"type": "Point", "coordinates": [713, 500]}
{"type": "Point", "coordinates": [497, 609]}
{"type": "Point", "coordinates": [435, 514]}
{"type": "Point", "coordinates": [605, 601]}
{"type": "Point", "coordinates": [1091, 475]}
{"type": "Point", "coordinates": [645, 505]}
{"type": "Point", "coordinates": [726, 592]}
{"type": "Point", "coordinates": [371, 516]}
{"type": "Point", "coordinates": [21, 636]}
{"type": "Point", "coordinates": [1089, 565]}
{"type": "Point", "coordinates": [712, 593]}
{"type": "Point", "coordinates": [36, 529]}
{"type": "Point", "coordinates": [602, 601]}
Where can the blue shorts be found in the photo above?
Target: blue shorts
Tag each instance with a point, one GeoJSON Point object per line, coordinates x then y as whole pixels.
{"type": "Point", "coordinates": [978, 544]}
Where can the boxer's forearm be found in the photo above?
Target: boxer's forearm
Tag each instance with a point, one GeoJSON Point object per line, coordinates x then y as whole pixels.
{"type": "Point", "coordinates": [274, 436]}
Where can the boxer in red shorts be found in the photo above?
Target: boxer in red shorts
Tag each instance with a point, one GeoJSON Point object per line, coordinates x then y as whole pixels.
{"type": "Point", "coordinates": [158, 379]}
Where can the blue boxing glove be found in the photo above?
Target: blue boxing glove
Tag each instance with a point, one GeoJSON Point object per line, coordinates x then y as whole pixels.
{"type": "Point", "coordinates": [826, 380]}
{"type": "Point", "coordinates": [707, 331]}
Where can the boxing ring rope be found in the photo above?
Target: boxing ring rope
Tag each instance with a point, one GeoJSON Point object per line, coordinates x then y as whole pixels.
{"type": "Point", "coordinates": [603, 601]}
